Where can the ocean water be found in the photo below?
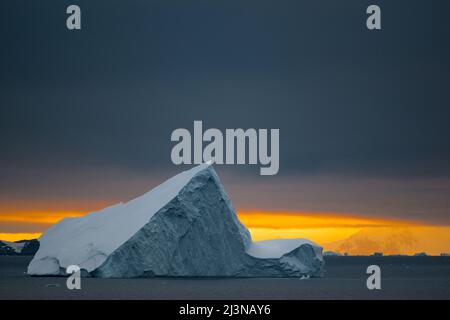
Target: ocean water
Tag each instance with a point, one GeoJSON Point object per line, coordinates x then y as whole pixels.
{"type": "Point", "coordinates": [344, 278]}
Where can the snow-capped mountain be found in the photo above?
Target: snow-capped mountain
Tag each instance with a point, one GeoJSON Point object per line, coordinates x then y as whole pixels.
{"type": "Point", "coordinates": [184, 227]}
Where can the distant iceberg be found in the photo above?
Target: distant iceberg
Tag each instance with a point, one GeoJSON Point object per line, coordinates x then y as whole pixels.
{"type": "Point", "coordinates": [185, 227]}
{"type": "Point", "coordinates": [18, 248]}
{"type": "Point", "coordinates": [331, 254]}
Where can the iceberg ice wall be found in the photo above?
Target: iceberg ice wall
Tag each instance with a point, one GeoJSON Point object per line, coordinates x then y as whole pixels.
{"type": "Point", "coordinates": [184, 227]}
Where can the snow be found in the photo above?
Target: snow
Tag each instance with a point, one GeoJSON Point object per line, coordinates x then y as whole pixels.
{"type": "Point", "coordinates": [85, 243]}
{"type": "Point", "coordinates": [275, 248]}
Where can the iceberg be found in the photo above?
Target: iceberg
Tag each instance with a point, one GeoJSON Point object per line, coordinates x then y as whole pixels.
{"type": "Point", "coordinates": [18, 248]}
{"type": "Point", "coordinates": [185, 227]}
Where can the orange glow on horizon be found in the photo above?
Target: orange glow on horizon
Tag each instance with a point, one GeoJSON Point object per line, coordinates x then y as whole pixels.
{"type": "Point", "coordinates": [348, 233]}
{"type": "Point", "coordinates": [334, 231]}
{"type": "Point", "coordinates": [11, 237]}
{"type": "Point", "coordinates": [313, 220]}
{"type": "Point", "coordinates": [320, 227]}
{"type": "Point", "coordinates": [38, 217]}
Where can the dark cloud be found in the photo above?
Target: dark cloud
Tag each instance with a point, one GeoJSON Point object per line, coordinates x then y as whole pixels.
{"type": "Point", "coordinates": [347, 101]}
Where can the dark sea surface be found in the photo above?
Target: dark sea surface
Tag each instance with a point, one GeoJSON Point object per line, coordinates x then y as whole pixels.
{"type": "Point", "coordinates": [344, 278]}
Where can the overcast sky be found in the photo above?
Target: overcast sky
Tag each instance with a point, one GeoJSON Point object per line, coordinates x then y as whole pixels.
{"type": "Point", "coordinates": [363, 115]}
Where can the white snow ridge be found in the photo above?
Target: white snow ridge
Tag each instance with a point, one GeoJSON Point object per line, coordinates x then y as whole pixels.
{"type": "Point", "coordinates": [185, 227]}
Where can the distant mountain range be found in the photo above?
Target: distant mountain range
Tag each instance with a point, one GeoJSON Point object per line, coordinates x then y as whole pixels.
{"type": "Point", "coordinates": [19, 248]}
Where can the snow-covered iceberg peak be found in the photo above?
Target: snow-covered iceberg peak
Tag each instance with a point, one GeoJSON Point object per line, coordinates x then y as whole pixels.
{"type": "Point", "coordinates": [88, 240]}
{"type": "Point", "coordinates": [184, 227]}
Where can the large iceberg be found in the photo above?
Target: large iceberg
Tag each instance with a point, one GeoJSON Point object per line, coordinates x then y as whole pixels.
{"type": "Point", "coordinates": [185, 227]}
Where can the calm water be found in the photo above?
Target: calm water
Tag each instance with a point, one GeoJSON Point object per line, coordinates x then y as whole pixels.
{"type": "Point", "coordinates": [345, 278]}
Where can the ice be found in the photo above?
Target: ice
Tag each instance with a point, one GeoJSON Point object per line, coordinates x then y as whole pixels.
{"type": "Point", "coordinates": [276, 248]}
{"type": "Point", "coordinates": [184, 227]}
